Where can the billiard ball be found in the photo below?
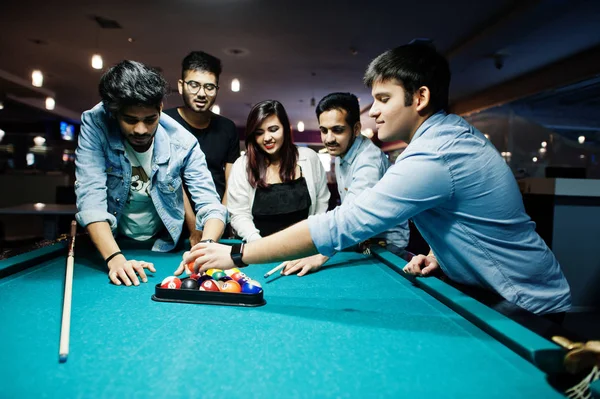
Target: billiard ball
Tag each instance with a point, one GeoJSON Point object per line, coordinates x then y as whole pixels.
{"type": "Point", "coordinates": [230, 272]}
{"type": "Point", "coordinates": [202, 279]}
{"type": "Point", "coordinates": [251, 287]}
{"type": "Point", "coordinates": [225, 278]}
{"type": "Point", "coordinates": [195, 276]}
{"type": "Point", "coordinates": [218, 274]}
{"type": "Point", "coordinates": [231, 286]}
{"type": "Point", "coordinates": [209, 285]}
{"type": "Point", "coordinates": [211, 271]}
{"type": "Point", "coordinates": [189, 284]}
{"type": "Point", "coordinates": [243, 280]}
{"type": "Point", "coordinates": [237, 276]}
{"type": "Point", "coordinates": [171, 282]}
{"type": "Point", "coordinates": [189, 268]}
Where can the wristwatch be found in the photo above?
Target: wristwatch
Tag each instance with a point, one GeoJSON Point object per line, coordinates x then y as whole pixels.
{"type": "Point", "coordinates": [208, 240]}
{"type": "Point", "coordinates": [237, 251]}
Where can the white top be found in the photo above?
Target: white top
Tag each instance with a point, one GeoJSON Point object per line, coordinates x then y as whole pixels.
{"type": "Point", "coordinates": [139, 219]}
{"type": "Point", "coordinates": [240, 194]}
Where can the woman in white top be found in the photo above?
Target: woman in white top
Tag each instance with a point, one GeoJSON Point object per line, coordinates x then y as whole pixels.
{"type": "Point", "coordinates": [275, 184]}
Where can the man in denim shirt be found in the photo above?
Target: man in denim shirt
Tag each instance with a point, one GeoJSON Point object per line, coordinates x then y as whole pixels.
{"type": "Point", "coordinates": [450, 180]}
{"type": "Point", "coordinates": [359, 165]}
{"type": "Point", "coordinates": [130, 161]}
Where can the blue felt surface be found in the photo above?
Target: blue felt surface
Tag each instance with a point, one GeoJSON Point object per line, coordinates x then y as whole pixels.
{"type": "Point", "coordinates": [354, 329]}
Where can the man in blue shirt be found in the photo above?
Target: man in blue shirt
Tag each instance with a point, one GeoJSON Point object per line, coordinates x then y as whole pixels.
{"type": "Point", "coordinates": [359, 165]}
{"type": "Point", "coordinates": [130, 160]}
{"type": "Point", "coordinates": [450, 180]}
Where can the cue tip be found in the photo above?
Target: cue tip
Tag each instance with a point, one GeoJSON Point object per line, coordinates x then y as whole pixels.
{"type": "Point", "coordinates": [62, 358]}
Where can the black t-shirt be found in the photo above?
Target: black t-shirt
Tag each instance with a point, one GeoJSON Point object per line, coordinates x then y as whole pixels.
{"type": "Point", "coordinates": [219, 142]}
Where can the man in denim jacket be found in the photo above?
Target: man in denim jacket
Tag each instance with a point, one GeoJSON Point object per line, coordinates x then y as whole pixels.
{"type": "Point", "coordinates": [130, 161]}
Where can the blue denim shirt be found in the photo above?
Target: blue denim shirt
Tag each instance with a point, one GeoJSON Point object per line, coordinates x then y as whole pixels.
{"type": "Point", "coordinates": [466, 203]}
{"type": "Point", "coordinates": [103, 175]}
{"type": "Point", "coordinates": [360, 168]}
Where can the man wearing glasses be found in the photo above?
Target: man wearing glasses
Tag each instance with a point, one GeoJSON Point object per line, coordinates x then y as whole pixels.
{"type": "Point", "coordinates": [218, 137]}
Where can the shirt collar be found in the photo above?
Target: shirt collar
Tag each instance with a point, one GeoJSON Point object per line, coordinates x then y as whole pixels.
{"type": "Point", "coordinates": [431, 121]}
{"type": "Point", "coordinates": [351, 154]}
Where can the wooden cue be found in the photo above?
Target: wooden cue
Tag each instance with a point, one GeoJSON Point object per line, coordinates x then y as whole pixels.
{"type": "Point", "coordinates": [66, 314]}
{"type": "Point", "coordinates": [276, 268]}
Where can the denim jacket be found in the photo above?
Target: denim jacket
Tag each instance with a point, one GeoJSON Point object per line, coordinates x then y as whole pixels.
{"type": "Point", "coordinates": [103, 175]}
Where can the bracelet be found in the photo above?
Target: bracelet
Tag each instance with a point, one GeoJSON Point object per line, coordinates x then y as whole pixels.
{"type": "Point", "coordinates": [112, 256]}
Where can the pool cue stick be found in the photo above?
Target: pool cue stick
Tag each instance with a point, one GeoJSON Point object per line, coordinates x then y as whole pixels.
{"type": "Point", "coordinates": [65, 329]}
{"type": "Point", "coordinates": [273, 270]}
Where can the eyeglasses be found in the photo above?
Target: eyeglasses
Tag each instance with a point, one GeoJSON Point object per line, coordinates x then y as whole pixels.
{"type": "Point", "coordinates": [194, 87]}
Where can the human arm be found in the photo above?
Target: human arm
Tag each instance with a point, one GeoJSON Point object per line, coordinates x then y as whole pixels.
{"type": "Point", "coordinates": [320, 182]}
{"type": "Point", "coordinates": [407, 189]}
{"type": "Point", "coordinates": [92, 169]}
{"type": "Point", "coordinates": [239, 194]}
{"type": "Point", "coordinates": [190, 221]}
{"type": "Point", "coordinates": [203, 194]}
{"type": "Point", "coordinates": [227, 173]}
{"type": "Point", "coordinates": [120, 269]}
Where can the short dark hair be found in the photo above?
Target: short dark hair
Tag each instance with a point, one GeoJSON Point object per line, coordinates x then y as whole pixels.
{"type": "Point", "coordinates": [413, 65]}
{"type": "Point", "coordinates": [256, 168]}
{"type": "Point", "coordinates": [131, 83]}
{"type": "Point", "coordinates": [341, 101]}
{"type": "Point", "coordinates": [201, 61]}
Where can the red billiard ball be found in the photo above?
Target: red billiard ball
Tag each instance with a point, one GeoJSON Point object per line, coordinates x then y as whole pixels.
{"type": "Point", "coordinates": [189, 268]}
{"type": "Point", "coordinates": [238, 276]}
{"type": "Point", "coordinates": [171, 282]}
{"type": "Point", "coordinates": [209, 285]}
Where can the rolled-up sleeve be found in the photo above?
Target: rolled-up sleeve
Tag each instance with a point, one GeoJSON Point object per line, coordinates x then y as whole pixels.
{"type": "Point", "coordinates": [90, 174]}
{"type": "Point", "coordinates": [202, 188]}
{"type": "Point", "coordinates": [413, 185]}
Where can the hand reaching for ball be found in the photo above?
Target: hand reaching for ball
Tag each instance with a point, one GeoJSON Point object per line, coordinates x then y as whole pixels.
{"type": "Point", "coordinates": [123, 271]}
{"type": "Point", "coordinates": [204, 256]}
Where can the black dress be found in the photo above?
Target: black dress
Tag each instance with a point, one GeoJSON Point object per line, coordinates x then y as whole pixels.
{"type": "Point", "coordinates": [280, 205]}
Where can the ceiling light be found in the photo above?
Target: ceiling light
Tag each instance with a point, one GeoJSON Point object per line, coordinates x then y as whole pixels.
{"type": "Point", "coordinates": [235, 85]}
{"type": "Point", "coordinates": [216, 109]}
{"type": "Point", "coordinates": [1, 105]}
{"type": "Point", "coordinates": [50, 103]}
{"type": "Point", "coordinates": [582, 156]}
{"type": "Point", "coordinates": [534, 159]}
{"type": "Point", "coordinates": [300, 126]}
{"type": "Point", "coordinates": [37, 78]}
{"type": "Point", "coordinates": [2, 133]}
{"type": "Point", "coordinates": [544, 144]}
{"type": "Point", "coordinates": [39, 141]}
{"type": "Point", "coordinates": [542, 150]}
{"type": "Point", "coordinates": [97, 62]}
{"type": "Point", "coordinates": [581, 139]}
{"type": "Point", "coordinates": [487, 136]}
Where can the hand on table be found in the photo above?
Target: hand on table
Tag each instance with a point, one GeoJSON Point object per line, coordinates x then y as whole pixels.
{"type": "Point", "coordinates": [303, 266]}
{"type": "Point", "coordinates": [421, 265]}
{"type": "Point", "coordinates": [121, 270]}
{"type": "Point", "coordinates": [207, 255]}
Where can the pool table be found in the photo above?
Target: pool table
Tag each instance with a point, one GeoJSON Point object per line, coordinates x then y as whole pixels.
{"type": "Point", "coordinates": [357, 328]}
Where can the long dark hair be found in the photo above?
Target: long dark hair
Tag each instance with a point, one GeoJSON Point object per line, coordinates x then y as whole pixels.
{"type": "Point", "coordinates": [256, 168]}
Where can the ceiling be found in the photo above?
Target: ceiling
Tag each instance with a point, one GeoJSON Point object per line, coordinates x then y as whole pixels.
{"type": "Point", "coordinates": [292, 51]}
